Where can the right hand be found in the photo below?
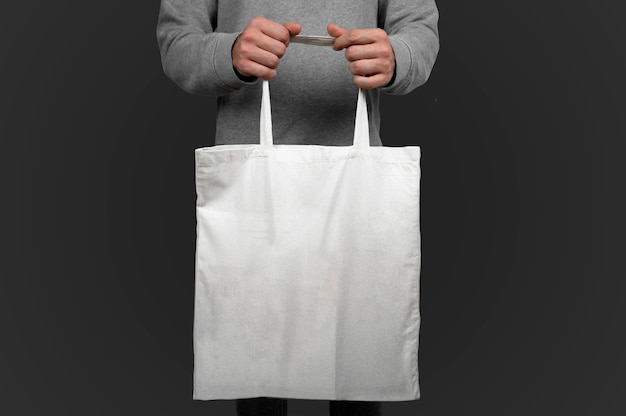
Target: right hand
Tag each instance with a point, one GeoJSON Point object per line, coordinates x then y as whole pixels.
{"type": "Point", "coordinates": [258, 49]}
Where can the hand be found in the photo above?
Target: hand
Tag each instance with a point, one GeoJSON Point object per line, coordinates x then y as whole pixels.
{"type": "Point", "coordinates": [258, 49]}
{"type": "Point", "coordinates": [369, 53]}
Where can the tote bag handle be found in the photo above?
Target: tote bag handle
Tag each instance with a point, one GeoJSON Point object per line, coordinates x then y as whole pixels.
{"type": "Point", "coordinates": [361, 122]}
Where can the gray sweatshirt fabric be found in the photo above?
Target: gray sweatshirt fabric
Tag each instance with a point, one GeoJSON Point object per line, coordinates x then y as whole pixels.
{"type": "Point", "coordinates": [313, 96]}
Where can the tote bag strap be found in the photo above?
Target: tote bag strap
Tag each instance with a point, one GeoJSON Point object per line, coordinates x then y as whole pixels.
{"type": "Point", "coordinates": [361, 122]}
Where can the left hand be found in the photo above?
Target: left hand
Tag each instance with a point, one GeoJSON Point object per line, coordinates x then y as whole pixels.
{"type": "Point", "coordinates": [369, 53]}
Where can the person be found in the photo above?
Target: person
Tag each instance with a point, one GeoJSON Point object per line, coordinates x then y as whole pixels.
{"type": "Point", "coordinates": [222, 49]}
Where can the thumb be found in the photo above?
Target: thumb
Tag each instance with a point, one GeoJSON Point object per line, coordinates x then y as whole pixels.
{"type": "Point", "coordinates": [293, 28]}
{"type": "Point", "coordinates": [335, 31]}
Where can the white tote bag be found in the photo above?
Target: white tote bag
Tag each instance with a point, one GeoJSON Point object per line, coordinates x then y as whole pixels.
{"type": "Point", "coordinates": [307, 269]}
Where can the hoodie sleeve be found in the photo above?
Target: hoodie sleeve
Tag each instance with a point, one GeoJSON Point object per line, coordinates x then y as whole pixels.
{"type": "Point", "coordinates": [412, 29]}
{"type": "Point", "coordinates": [193, 55]}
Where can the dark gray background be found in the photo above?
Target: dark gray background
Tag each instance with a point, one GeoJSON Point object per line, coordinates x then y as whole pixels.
{"type": "Point", "coordinates": [522, 132]}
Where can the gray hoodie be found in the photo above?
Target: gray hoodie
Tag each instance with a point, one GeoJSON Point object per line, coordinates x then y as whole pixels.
{"type": "Point", "coordinates": [313, 95]}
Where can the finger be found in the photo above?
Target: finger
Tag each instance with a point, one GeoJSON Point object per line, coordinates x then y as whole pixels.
{"type": "Point", "coordinates": [293, 28]}
{"type": "Point", "coordinates": [250, 44]}
{"type": "Point", "coordinates": [370, 67]}
{"type": "Point", "coordinates": [276, 31]}
{"type": "Point", "coordinates": [353, 37]}
{"type": "Point", "coordinates": [256, 69]}
{"type": "Point", "coordinates": [250, 57]}
{"type": "Point", "coordinates": [336, 31]}
{"type": "Point", "coordinates": [370, 82]}
{"type": "Point", "coordinates": [361, 37]}
{"type": "Point", "coordinates": [264, 57]}
{"type": "Point", "coordinates": [272, 45]}
{"type": "Point", "coordinates": [376, 50]}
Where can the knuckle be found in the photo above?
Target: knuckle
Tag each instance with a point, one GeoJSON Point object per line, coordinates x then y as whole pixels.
{"type": "Point", "coordinates": [353, 36]}
{"type": "Point", "coordinates": [244, 68]}
{"type": "Point", "coordinates": [359, 81]}
{"type": "Point", "coordinates": [284, 35]}
{"type": "Point", "coordinates": [389, 53]}
{"type": "Point", "coordinates": [358, 68]}
{"type": "Point", "coordinates": [247, 36]}
{"type": "Point", "coordinates": [272, 61]}
{"type": "Point", "coordinates": [351, 53]}
{"type": "Point", "coordinates": [244, 51]}
{"type": "Point", "coordinates": [240, 60]}
{"type": "Point", "coordinates": [280, 50]}
{"type": "Point", "coordinates": [267, 74]}
{"type": "Point", "coordinates": [257, 21]}
{"type": "Point", "coordinates": [382, 51]}
{"type": "Point", "coordinates": [380, 33]}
